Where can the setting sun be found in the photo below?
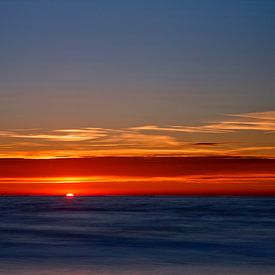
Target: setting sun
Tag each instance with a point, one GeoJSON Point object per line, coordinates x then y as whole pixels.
{"type": "Point", "coordinates": [69, 195]}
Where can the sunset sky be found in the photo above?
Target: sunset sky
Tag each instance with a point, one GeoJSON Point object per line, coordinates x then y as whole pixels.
{"type": "Point", "coordinates": [137, 97]}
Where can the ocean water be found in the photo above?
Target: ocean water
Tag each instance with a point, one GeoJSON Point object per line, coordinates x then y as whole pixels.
{"type": "Point", "coordinates": [137, 235]}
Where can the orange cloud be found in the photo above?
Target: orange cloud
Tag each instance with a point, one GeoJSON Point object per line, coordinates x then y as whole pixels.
{"type": "Point", "coordinates": [264, 121]}
{"type": "Point", "coordinates": [58, 135]}
{"type": "Point", "coordinates": [225, 137]}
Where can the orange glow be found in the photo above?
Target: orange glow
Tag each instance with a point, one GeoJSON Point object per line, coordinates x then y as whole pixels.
{"type": "Point", "coordinates": [138, 176]}
{"type": "Point", "coordinates": [184, 185]}
{"type": "Point", "coordinates": [230, 138]}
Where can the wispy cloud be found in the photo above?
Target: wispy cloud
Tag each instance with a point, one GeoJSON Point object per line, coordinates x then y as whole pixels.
{"type": "Point", "coordinates": [148, 139]}
{"type": "Point", "coordinates": [64, 134]}
{"type": "Point", "coordinates": [261, 121]}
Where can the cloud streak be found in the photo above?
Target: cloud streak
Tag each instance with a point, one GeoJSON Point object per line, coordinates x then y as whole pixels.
{"type": "Point", "coordinates": [264, 121]}
{"type": "Point", "coordinates": [230, 138]}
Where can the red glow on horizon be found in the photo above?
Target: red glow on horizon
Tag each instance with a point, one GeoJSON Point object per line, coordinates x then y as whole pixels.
{"type": "Point", "coordinates": [138, 176]}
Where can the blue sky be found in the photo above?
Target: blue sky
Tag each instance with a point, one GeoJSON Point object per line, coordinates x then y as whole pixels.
{"type": "Point", "coordinates": [81, 78]}
{"type": "Point", "coordinates": [123, 63]}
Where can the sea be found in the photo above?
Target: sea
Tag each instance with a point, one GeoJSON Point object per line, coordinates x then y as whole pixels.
{"type": "Point", "coordinates": [137, 235]}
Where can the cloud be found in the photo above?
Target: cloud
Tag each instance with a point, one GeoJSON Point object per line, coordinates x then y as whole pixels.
{"type": "Point", "coordinates": [130, 138]}
{"type": "Point", "coordinates": [268, 115]}
{"type": "Point", "coordinates": [261, 121]}
{"type": "Point", "coordinates": [57, 135]}
{"type": "Point", "coordinates": [207, 144]}
{"type": "Point", "coordinates": [177, 128]}
{"type": "Point", "coordinates": [184, 140]}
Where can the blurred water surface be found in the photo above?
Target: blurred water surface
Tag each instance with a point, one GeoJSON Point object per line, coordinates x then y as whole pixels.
{"type": "Point", "coordinates": [137, 235]}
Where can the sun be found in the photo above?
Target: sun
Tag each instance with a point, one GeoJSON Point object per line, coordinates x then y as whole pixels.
{"type": "Point", "coordinates": [69, 195]}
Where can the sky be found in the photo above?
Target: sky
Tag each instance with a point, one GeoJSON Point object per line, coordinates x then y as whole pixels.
{"type": "Point", "coordinates": [137, 78]}
{"type": "Point", "coordinates": [138, 176]}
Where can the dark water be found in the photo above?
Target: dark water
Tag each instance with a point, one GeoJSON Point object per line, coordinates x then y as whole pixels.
{"type": "Point", "coordinates": [137, 235]}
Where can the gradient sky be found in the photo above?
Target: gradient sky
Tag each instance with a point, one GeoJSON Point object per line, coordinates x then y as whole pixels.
{"type": "Point", "coordinates": [137, 78]}
{"type": "Point", "coordinates": [138, 176]}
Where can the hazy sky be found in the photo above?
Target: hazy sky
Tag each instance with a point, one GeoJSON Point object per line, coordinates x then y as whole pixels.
{"type": "Point", "coordinates": [120, 64]}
